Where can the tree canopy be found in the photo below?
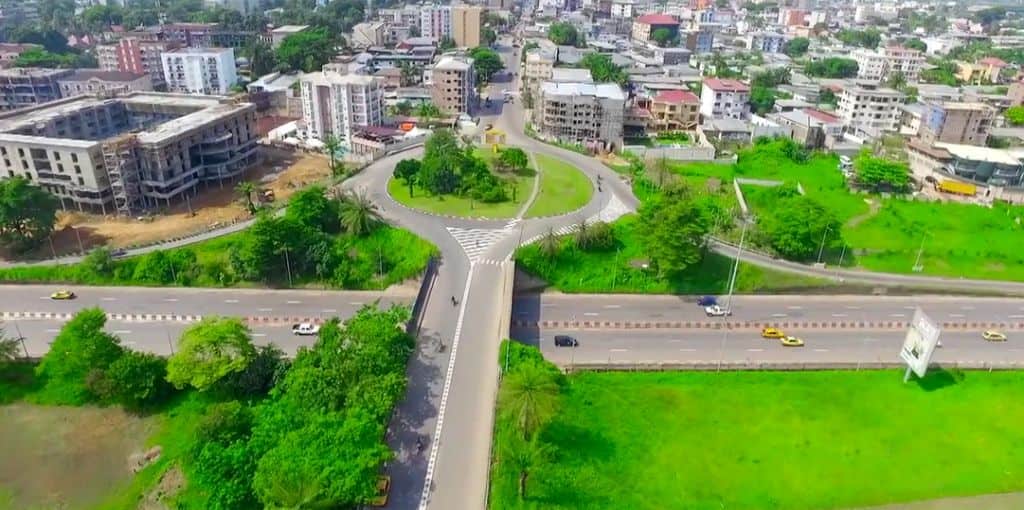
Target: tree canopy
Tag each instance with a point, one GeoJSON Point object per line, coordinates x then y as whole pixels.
{"type": "Point", "coordinates": [880, 174]}
{"type": "Point", "coordinates": [664, 37]}
{"type": "Point", "coordinates": [210, 350]}
{"type": "Point", "coordinates": [307, 51]}
{"type": "Point", "coordinates": [865, 38]}
{"type": "Point", "coordinates": [81, 350]}
{"type": "Point", "coordinates": [796, 225]}
{"type": "Point", "coordinates": [673, 228]}
{"type": "Point", "coordinates": [832, 67]}
{"type": "Point", "coordinates": [564, 33]}
{"type": "Point", "coordinates": [486, 62]}
{"type": "Point", "coordinates": [602, 69]}
{"type": "Point", "coordinates": [27, 213]}
{"type": "Point", "coordinates": [796, 47]}
{"type": "Point", "coordinates": [1015, 115]}
{"type": "Point", "coordinates": [915, 44]}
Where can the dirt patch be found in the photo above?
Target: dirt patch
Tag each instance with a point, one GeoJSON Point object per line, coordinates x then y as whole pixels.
{"type": "Point", "coordinates": [873, 207]}
{"type": "Point", "coordinates": [1009, 501]}
{"type": "Point", "coordinates": [282, 171]}
{"type": "Point", "coordinates": [66, 457]}
{"type": "Point", "coordinates": [171, 482]}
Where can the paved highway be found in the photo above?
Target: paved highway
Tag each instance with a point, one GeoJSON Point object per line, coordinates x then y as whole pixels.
{"type": "Point", "coordinates": [639, 309]}
{"type": "Point", "coordinates": [190, 301]}
{"type": "Point", "coordinates": [623, 347]}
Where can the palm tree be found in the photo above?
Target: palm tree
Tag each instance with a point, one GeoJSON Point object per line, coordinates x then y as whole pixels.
{"type": "Point", "coordinates": [331, 146]}
{"type": "Point", "coordinates": [549, 244]}
{"type": "Point", "coordinates": [529, 398]}
{"type": "Point", "coordinates": [409, 75]}
{"type": "Point", "coordinates": [582, 235]}
{"type": "Point", "coordinates": [246, 188]}
{"type": "Point", "coordinates": [523, 457]}
{"type": "Point", "coordinates": [358, 214]}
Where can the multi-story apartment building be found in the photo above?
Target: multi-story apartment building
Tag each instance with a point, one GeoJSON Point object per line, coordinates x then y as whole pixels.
{"type": "Point", "coordinates": [538, 65]}
{"type": "Point", "coordinates": [675, 110]}
{"type": "Point", "coordinates": [365, 35]}
{"type": "Point", "coordinates": [986, 70]}
{"type": "Point", "coordinates": [466, 21]}
{"type": "Point", "coordinates": [581, 113]}
{"type": "Point", "coordinates": [29, 86]}
{"type": "Point", "coordinates": [93, 82]}
{"type": "Point", "coordinates": [199, 70]}
{"type": "Point", "coordinates": [959, 123]}
{"type": "Point", "coordinates": [766, 42]}
{"type": "Point", "coordinates": [129, 153]}
{"type": "Point", "coordinates": [135, 55]}
{"type": "Point", "coordinates": [9, 52]}
{"type": "Point", "coordinates": [881, 64]}
{"type": "Point", "coordinates": [338, 104]}
{"type": "Point", "coordinates": [644, 26]}
{"type": "Point", "coordinates": [436, 21]}
{"type": "Point", "coordinates": [697, 41]}
{"type": "Point", "coordinates": [870, 108]}
{"type": "Point", "coordinates": [723, 98]}
{"type": "Point", "coordinates": [453, 85]}
{"type": "Point", "coordinates": [408, 15]}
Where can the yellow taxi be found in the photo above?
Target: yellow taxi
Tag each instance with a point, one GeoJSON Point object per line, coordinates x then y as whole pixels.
{"type": "Point", "coordinates": [993, 336]}
{"type": "Point", "coordinates": [772, 333]}
{"type": "Point", "coordinates": [383, 486]}
{"type": "Point", "coordinates": [63, 294]}
{"type": "Point", "coordinates": [791, 341]}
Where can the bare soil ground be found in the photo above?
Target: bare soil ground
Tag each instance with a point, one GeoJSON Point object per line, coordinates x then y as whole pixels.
{"type": "Point", "coordinates": [282, 171]}
{"type": "Point", "coordinates": [66, 457]}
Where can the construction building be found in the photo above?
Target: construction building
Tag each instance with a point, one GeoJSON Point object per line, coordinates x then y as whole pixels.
{"type": "Point", "coordinates": [131, 153]}
{"type": "Point", "coordinates": [584, 113]}
{"type": "Point", "coordinates": [92, 82]}
{"type": "Point", "coordinates": [29, 86]}
{"type": "Point", "coordinates": [956, 123]}
{"type": "Point", "coordinates": [453, 85]}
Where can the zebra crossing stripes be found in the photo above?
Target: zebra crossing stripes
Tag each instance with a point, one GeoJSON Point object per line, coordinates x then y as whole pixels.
{"type": "Point", "coordinates": [611, 211]}
{"type": "Point", "coordinates": [476, 241]}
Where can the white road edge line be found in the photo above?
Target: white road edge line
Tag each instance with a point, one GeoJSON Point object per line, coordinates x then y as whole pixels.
{"type": "Point", "coordinates": [428, 480]}
{"type": "Point", "coordinates": [755, 350]}
{"type": "Point", "coordinates": [778, 315]}
{"type": "Point", "coordinates": [618, 350]}
{"type": "Point", "coordinates": [613, 306]}
{"type": "Point", "coordinates": [259, 335]}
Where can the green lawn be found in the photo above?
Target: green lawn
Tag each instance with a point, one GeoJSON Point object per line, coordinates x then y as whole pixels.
{"type": "Point", "coordinates": [451, 205]}
{"type": "Point", "coordinates": [771, 440]}
{"type": "Point", "coordinates": [563, 188]}
{"type": "Point", "coordinates": [619, 270]}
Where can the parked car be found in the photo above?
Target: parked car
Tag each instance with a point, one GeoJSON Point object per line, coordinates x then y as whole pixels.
{"type": "Point", "coordinates": [994, 336]}
{"type": "Point", "coordinates": [717, 311]}
{"type": "Point", "coordinates": [772, 333]}
{"type": "Point", "coordinates": [792, 341]}
{"type": "Point", "coordinates": [305, 329]}
{"type": "Point", "coordinates": [566, 341]}
{"type": "Point", "coordinates": [707, 301]}
{"type": "Point", "coordinates": [63, 294]}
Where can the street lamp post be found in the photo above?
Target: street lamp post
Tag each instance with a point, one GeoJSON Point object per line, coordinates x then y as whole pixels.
{"type": "Point", "coordinates": [822, 247]}
{"type": "Point", "coordinates": [78, 234]}
{"type": "Point", "coordinates": [917, 261]}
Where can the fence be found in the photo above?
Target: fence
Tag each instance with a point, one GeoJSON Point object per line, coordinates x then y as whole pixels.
{"type": "Point", "coordinates": [688, 153]}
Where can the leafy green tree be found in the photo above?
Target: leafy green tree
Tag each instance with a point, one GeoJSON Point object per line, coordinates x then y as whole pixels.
{"type": "Point", "coordinates": [880, 174]}
{"type": "Point", "coordinates": [245, 189]}
{"type": "Point", "coordinates": [486, 62]}
{"type": "Point", "coordinates": [796, 47]}
{"type": "Point", "coordinates": [138, 380]}
{"type": "Point", "coordinates": [674, 229]}
{"type": "Point", "coordinates": [827, 97]}
{"type": "Point", "coordinates": [331, 146]}
{"type": "Point", "coordinates": [445, 44]}
{"type": "Point", "coordinates": [1014, 115]}
{"type": "Point", "coordinates": [513, 159]}
{"type": "Point", "coordinates": [209, 351]}
{"type": "Point", "coordinates": [866, 38]}
{"type": "Point", "coordinates": [896, 80]}
{"type": "Point", "coordinates": [311, 207]}
{"type": "Point", "coordinates": [990, 16]}
{"type": "Point", "coordinates": [488, 36]}
{"type": "Point", "coordinates": [98, 262]}
{"type": "Point", "coordinates": [663, 37]}
{"type": "Point", "coordinates": [915, 44]}
{"type": "Point", "coordinates": [442, 163]}
{"type": "Point", "coordinates": [528, 398]}
{"type": "Point", "coordinates": [308, 50]}
{"type": "Point", "coordinates": [407, 170]}
{"type": "Point", "coordinates": [550, 244]}
{"type": "Point", "coordinates": [81, 347]}
{"type": "Point", "coordinates": [602, 69]}
{"type": "Point", "coordinates": [427, 110]}
{"type": "Point", "coordinates": [225, 423]}
{"type": "Point", "coordinates": [796, 227]}
{"type": "Point", "coordinates": [358, 214]}
{"type": "Point", "coordinates": [563, 34]}
{"type": "Point", "coordinates": [27, 213]}
{"type": "Point", "coordinates": [832, 67]}
{"type": "Point", "coordinates": [273, 248]}
{"type": "Point", "coordinates": [524, 457]}
{"type": "Point", "coordinates": [225, 471]}
{"type": "Point", "coordinates": [259, 377]}
{"type": "Point", "coordinates": [100, 17]}
{"type": "Point", "coordinates": [37, 57]}
{"type": "Point", "coordinates": [410, 75]}
{"type": "Point", "coordinates": [762, 99]}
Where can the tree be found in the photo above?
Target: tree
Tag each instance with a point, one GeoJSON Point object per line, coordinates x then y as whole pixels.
{"type": "Point", "coordinates": [1014, 115]}
{"type": "Point", "coordinates": [880, 174]}
{"type": "Point", "coordinates": [10, 348]}
{"type": "Point", "coordinates": [513, 159]}
{"type": "Point", "coordinates": [762, 99]}
{"type": "Point", "coordinates": [445, 44]}
{"type": "Point", "coordinates": [209, 351]}
{"type": "Point", "coordinates": [866, 38]}
{"type": "Point", "coordinates": [410, 75]}
{"type": "Point", "coordinates": [827, 97]}
{"type": "Point", "coordinates": [486, 62]}
{"type": "Point", "coordinates": [407, 170]}
{"type": "Point", "coordinates": [259, 377]}
{"type": "Point", "coordinates": [262, 59]}
{"type": "Point", "coordinates": [27, 213]}
{"type": "Point", "coordinates": [100, 17]}
{"type": "Point", "coordinates": [663, 37]}
{"type": "Point", "coordinates": [896, 80]}
{"type": "Point", "coordinates": [674, 229]}
{"type": "Point", "coordinates": [990, 16]}
{"type": "Point", "coordinates": [796, 226]}
{"type": "Point", "coordinates": [307, 51]}
{"type": "Point", "coordinates": [602, 69]}
{"type": "Point", "coordinates": [528, 397]}
{"type": "Point", "coordinates": [138, 380]}
{"type": "Point", "coordinates": [916, 44]}
{"type": "Point", "coordinates": [488, 36]}
{"type": "Point", "coordinates": [550, 244]}
{"type": "Point", "coordinates": [311, 207]}
{"type": "Point", "coordinates": [563, 34]}
{"type": "Point", "coordinates": [442, 163]}
{"type": "Point", "coordinates": [796, 47]}
{"type": "Point", "coordinates": [832, 67]}
{"type": "Point", "coordinates": [358, 214]}
{"type": "Point", "coordinates": [331, 146]}
{"type": "Point", "coordinates": [523, 457]}
{"type": "Point", "coordinates": [246, 189]}
{"type": "Point", "coordinates": [428, 110]}
{"type": "Point", "coordinates": [80, 348]}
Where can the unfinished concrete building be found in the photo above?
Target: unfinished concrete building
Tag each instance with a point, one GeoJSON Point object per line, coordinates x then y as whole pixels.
{"type": "Point", "coordinates": [131, 153]}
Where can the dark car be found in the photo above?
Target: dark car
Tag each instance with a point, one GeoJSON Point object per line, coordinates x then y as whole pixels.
{"type": "Point", "coordinates": [707, 301]}
{"type": "Point", "coordinates": [565, 341]}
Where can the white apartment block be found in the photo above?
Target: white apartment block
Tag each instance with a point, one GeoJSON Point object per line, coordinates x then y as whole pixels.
{"type": "Point", "coordinates": [722, 98]}
{"type": "Point", "coordinates": [582, 113]}
{"type": "Point", "coordinates": [766, 42]}
{"type": "Point", "coordinates": [436, 21]}
{"type": "Point", "coordinates": [883, 63]}
{"type": "Point", "coordinates": [869, 108]}
{"type": "Point", "coordinates": [208, 71]}
{"type": "Point", "coordinates": [337, 104]}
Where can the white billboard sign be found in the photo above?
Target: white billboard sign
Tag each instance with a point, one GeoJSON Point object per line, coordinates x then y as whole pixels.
{"type": "Point", "coordinates": [920, 343]}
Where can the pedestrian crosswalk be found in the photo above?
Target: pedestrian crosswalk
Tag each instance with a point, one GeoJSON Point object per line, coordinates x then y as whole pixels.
{"type": "Point", "coordinates": [476, 241]}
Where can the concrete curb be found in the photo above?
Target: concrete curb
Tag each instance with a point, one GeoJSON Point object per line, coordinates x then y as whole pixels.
{"type": "Point", "coordinates": [714, 365]}
{"type": "Point", "coordinates": [756, 325]}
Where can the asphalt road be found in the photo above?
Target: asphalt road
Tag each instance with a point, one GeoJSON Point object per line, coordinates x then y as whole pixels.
{"type": "Point", "coordinates": [571, 307]}
{"type": "Point", "coordinates": [191, 301]}
{"type": "Point", "coordinates": [619, 347]}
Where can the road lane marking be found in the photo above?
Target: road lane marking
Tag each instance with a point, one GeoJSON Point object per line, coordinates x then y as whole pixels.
{"type": "Point", "coordinates": [230, 300]}
{"type": "Point", "coordinates": [108, 299]}
{"type": "Point", "coordinates": [755, 350]}
{"type": "Point", "coordinates": [839, 315]}
{"type": "Point", "coordinates": [617, 350]}
{"type": "Point", "coordinates": [852, 307]}
{"type": "Point", "coordinates": [356, 303]}
{"type": "Point", "coordinates": [129, 342]}
{"type": "Point", "coordinates": [674, 341]}
{"type": "Point", "coordinates": [549, 305]}
{"type": "Point", "coordinates": [687, 350]}
{"type": "Point", "coordinates": [293, 302]}
{"type": "Point", "coordinates": [171, 300]}
{"type": "Point", "coordinates": [53, 331]}
{"type": "Point", "coordinates": [1017, 316]}
{"type": "Point", "coordinates": [612, 306]}
{"type": "Point", "coordinates": [122, 331]}
{"type": "Point", "coordinates": [795, 307]}
{"type": "Point", "coordinates": [956, 315]}
{"type": "Point", "coordinates": [910, 308]}
{"type": "Point", "coordinates": [871, 340]}
{"type": "Point", "coordinates": [258, 335]}
{"type": "Point", "coordinates": [821, 350]}
{"type": "Point", "coordinates": [44, 297]}
{"type": "Point", "coordinates": [266, 309]}
{"type": "Point", "coordinates": [778, 315]}
{"type": "Point", "coordinates": [896, 315]}
{"type": "Point", "coordinates": [590, 314]}
{"type": "Point", "coordinates": [329, 310]}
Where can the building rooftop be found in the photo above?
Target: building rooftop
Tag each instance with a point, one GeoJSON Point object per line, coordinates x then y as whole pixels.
{"type": "Point", "coordinates": [34, 72]}
{"type": "Point", "coordinates": [89, 74]}
{"type": "Point", "coordinates": [976, 153]}
{"type": "Point", "coordinates": [992, 61]}
{"type": "Point", "coordinates": [564, 74]}
{"type": "Point", "coordinates": [289, 29]}
{"type": "Point", "coordinates": [676, 97]}
{"type": "Point", "coordinates": [335, 78]}
{"type": "Point", "coordinates": [726, 85]}
{"type": "Point", "coordinates": [199, 51]}
{"type": "Point", "coordinates": [453, 64]}
{"type": "Point", "coordinates": [658, 19]}
{"type": "Point", "coordinates": [605, 90]}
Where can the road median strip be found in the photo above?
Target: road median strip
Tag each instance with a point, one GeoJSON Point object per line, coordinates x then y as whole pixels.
{"type": "Point", "coordinates": [892, 325]}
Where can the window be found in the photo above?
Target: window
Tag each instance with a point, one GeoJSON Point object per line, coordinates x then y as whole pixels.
{"type": "Point", "coordinates": [78, 170]}
{"type": "Point", "coordinates": [81, 181]}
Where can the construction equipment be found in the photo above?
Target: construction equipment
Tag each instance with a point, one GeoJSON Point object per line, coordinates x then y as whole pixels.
{"type": "Point", "coordinates": [122, 165]}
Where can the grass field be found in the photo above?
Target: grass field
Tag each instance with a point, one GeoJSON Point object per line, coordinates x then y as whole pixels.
{"type": "Point", "coordinates": [619, 271]}
{"type": "Point", "coordinates": [563, 188]}
{"type": "Point", "coordinates": [451, 205]}
{"type": "Point", "coordinates": [771, 440]}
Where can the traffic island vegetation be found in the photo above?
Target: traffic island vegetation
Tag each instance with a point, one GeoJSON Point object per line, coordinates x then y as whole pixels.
{"type": "Point", "coordinates": [563, 188]}
{"type": "Point", "coordinates": [334, 241]}
{"type": "Point", "coordinates": [238, 426]}
{"type": "Point", "coordinates": [751, 440]}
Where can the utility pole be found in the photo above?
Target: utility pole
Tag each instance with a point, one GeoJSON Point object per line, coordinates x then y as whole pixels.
{"type": "Point", "coordinates": [822, 247]}
{"type": "Point", "coordinates": [917, 262]}
{"type": "Point", "coordinates": [78, 234]}
{"type": "Point", "coordinates": [735, 267]}
{"type": "Point", "coordinates": [52, 249]}
{"type": "Point", "coordinates": [288, 266]}
{"type": "Point", "coordinates": [21, 338]}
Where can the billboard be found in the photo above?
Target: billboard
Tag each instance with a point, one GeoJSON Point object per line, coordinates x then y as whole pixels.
{"type": "Point", "coordinates": [920, 343]}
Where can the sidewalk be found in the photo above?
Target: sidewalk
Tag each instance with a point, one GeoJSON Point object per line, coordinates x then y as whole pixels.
{"type": "Point", "coordinates": [1010, 501]}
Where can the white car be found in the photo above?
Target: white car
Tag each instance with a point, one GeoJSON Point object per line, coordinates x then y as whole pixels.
{"type": "Point", "coordinates": [305, 329]}
{"type": "Point", "coordinates": [716, 311]}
